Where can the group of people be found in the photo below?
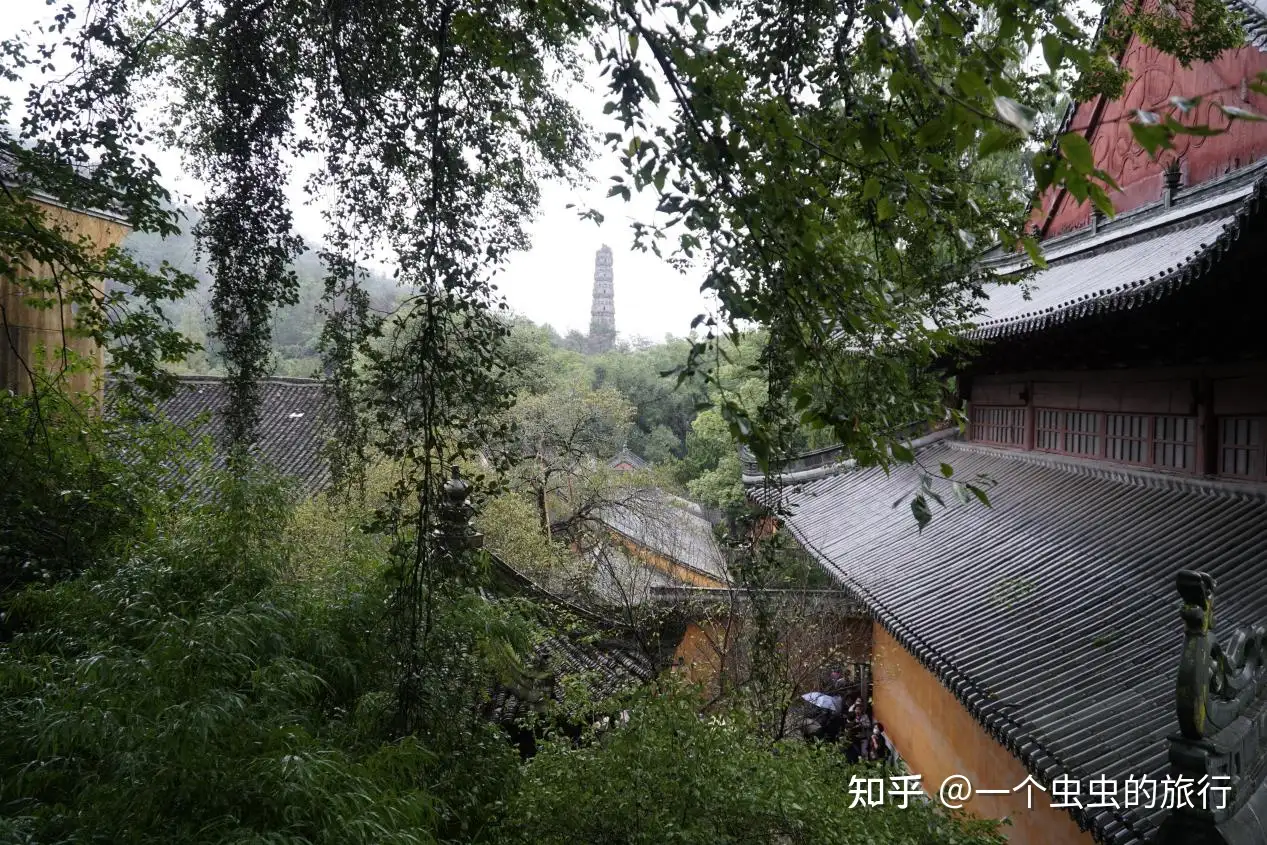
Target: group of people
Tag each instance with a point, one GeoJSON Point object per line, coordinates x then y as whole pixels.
{"type": "Point", "coordinates": [839, 715]}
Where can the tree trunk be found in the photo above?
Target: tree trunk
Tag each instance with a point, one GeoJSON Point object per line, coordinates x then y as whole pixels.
{"type": "Point", "coordinates": [541, 510]}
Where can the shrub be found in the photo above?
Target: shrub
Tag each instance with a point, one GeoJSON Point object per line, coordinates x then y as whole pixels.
{"type": "Point", "coordinates": [672, 776]}
{"type": "Point", "coordinates": [76, 488]}
{"type": "Point", "coordinates": [189, 695]}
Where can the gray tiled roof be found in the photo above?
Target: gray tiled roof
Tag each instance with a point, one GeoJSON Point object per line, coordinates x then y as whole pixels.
{"type": "Point", "coordinates": [1136, 258]}
{"type": "Point", "coordinates": [1255, 22]}
{"type": "Point", "coordinates": [608, 663]}
{"type": "Point", "coordinates": [291, 435]}
{"type": "Point", "coordinates": [625, 456]}
{"type": "Point", "coordinates": [13, 175]}
{"type": "Point", "coordinates": [1051, 615]}
{"type": "Point", "coordinates": [606, 666]}
{"type": "Point", "coordinates": [669, 526]}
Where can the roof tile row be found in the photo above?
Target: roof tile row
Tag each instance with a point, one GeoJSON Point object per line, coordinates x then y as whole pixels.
{"type": "Point", "coordinates": [1050, 615]}
{"type": "Point", "coordinates": [1136, 260]}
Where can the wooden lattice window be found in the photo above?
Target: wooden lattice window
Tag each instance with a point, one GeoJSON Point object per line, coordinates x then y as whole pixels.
{"type": "Point", "coordinates": [1175, 443]}
{"type": "Point", "coordinates": [1082, 433]}
{"type": "Point", "coordinates": [1241, 447]}
{"type": "Point", "coordinates": [1165, 441]}
{"type": "Point", "coordinates": [1047, 430]}
{"type": "Point", "coordinates": [998, 424]}
{"type": "Point", "coordinates": [1067, 432]}
{"type": "Point", "coordinates": [1128, 436]}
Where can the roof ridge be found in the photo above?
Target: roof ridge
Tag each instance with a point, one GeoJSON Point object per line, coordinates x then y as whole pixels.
{"type": "Point", "coordinates": [192, 378]}
{"type": "Point", "coordinates": [1121, 474]}
{"type": "Point", "coordinates": [1238, 185]}
{"type": "Point", "coordinates": [1130, 293]}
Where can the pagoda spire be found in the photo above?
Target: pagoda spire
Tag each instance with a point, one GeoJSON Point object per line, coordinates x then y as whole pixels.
{"type": "Point", "coordinates": [603, 309]}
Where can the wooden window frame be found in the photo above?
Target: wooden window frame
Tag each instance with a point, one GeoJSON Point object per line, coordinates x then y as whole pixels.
{"type": "Point", "coordinates": [1146, 441]}
{"type": "Point", "coordinates": [1018, 426]}
{"type": "Point", "coordinates": [1149, 441]}
{"type": "Point", "coordinates": [1258, 469]}
{"type": "Point", "coordinates": [1156, 441]}
{"type": "Point", "coordinates": [1064, 433]}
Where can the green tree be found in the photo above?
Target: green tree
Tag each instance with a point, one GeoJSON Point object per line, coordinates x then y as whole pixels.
{"type": "Point", "coordinates": [826, 162]}
{"type": "Point", "coordinates": [661, 445]}
{"type": "Point", "coordinates": [561, 440]}
{"type": "Point", "coordinates": [823, 161]}
{"type": "Point", "coordinates": [636, 372]}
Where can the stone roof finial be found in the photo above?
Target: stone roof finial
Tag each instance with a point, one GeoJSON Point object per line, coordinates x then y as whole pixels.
{"type": "Point", "coordinates": [1173, 177]}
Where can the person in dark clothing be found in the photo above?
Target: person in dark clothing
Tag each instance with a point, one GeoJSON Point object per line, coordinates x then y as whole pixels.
{"type": "Point", "coordinates": [878, 748]}
{"type": "Point", "coordinates": [851, 737]}
{"type": "Point", "coordinates": [833, 724]}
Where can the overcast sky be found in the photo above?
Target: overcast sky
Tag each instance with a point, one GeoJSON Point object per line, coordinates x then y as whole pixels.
{"type": "Point", "coordinates": [552, 282]}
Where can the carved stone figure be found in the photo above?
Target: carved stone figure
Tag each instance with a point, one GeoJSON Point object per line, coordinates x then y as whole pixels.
{"type": "Point", "coordinates": [1220, 704]}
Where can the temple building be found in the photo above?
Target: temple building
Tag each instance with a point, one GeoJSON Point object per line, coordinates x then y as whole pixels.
{"type": "Point", "coordinates": [37, 325]}
{"type": "Point", "coordinates": [602, 334]}
{"type": "Point", "coordinates": [1119, 408]}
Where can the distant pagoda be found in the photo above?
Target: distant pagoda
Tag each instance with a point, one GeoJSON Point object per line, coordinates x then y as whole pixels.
{"type": "Point", "coordinates": [603, 310]}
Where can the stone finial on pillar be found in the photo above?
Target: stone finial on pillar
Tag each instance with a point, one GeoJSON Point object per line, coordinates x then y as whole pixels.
{"type": "Point", "coordinates": [1221, 704]}
{"type": "Point", "coordinates": [1196, 666]}
{"type": "Point", "coordinates": [456, 513]}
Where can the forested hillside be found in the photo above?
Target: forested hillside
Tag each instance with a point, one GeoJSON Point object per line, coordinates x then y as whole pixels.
{"type": "Point", "coordinates": [296, 329]}
{"type": "Point", "coordinates": [674, 424]}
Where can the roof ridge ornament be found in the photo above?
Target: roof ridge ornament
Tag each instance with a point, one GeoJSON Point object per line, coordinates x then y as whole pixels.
{"type": "Point", "coordinates": [1220, 691]}
{"type": "Point", "coordinates": [1172, 176]}
{"type": "Point", "coordinates": [1196, 666]}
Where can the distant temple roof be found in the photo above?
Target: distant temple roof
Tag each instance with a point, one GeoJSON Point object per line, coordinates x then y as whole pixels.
{"type": "Point", "coordinates": [1138, 257]}
{"type": "Point", "coordinates": [11, 174]}
{"type": "Point", "coordinates": [600, 653]}
{"type": "Point", "coordinates": [1063, 635]}
{"type": "Point", "coordinates": [290, 436]}
{"type": "Point", "coordinates": [626, 457]}
{"type": "Point", "coordinates": [672, 527]}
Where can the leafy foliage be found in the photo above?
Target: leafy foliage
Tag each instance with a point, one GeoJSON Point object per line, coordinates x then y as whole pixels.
{"type": "Point", "coordinates": [296, 329]}
{"type": "Point", "coordinates": [77, 148]}
{"type": "Point", "coordinates": [671, 776]}
{"type": "Point", "coordinates": [79, 488]}
{"type": "Point", "coordinates": [561, 437]}
{"type": "Point", "coordinates": [204, 678]}
{"type": "Point", "coordinates": [234, 698]}
{"type": "Point", "coordinates": [831, 163]}
{"type": "Point", "coordinates": [206, 687]}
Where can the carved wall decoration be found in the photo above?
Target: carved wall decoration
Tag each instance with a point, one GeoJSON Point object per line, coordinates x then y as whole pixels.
{"type": "Point", "coordinates": [1155, 78]}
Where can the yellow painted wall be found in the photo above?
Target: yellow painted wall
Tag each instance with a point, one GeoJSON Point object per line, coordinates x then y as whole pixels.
{"type": "Point", "coordinates": [697, 655]}
{"type": "Point", "coordinates": [937, 737]}
{"type": "Point", "coordinates": [674, 570]}
{"type": "Point", "coordinates": [30, 328]}
{"type": "Point", "coordinates": [711, 644]}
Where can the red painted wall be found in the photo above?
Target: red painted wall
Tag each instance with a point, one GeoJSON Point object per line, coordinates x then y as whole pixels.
{"type": "Point", "coordinates": [1235, 388]}
{"type": "Point", "coordinates": [1155, 78]}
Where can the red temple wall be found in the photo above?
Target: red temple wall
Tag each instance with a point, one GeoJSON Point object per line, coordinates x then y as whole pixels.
{"type": "Point", "coordinates": [1155, 78]}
